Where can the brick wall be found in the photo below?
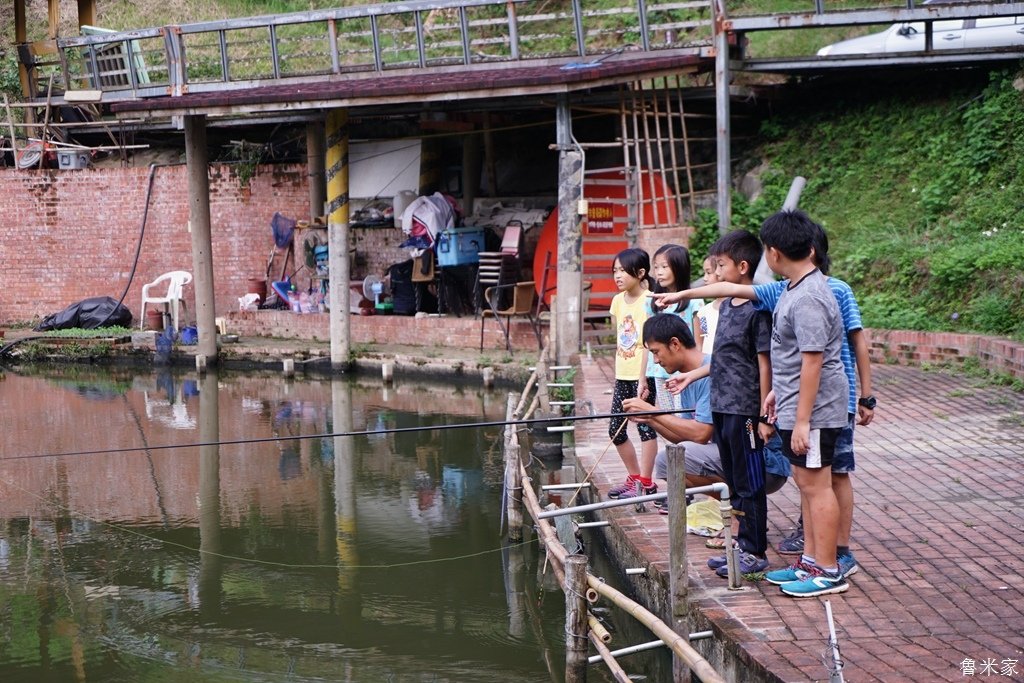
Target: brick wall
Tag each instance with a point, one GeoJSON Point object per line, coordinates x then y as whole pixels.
{"type": "Point", "coordinates": [453, 331]}
{"type": "Point", "coordinates": [908, 347]}
{"type": "Point", "coordinates": [70, 235]}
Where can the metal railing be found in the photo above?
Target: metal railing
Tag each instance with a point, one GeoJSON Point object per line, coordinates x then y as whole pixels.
{"type": "Point", "coordinates": [371, 39]}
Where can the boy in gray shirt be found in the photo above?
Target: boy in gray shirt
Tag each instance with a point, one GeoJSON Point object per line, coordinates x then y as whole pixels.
{"type": "Point", "coordinates": [810, 396]}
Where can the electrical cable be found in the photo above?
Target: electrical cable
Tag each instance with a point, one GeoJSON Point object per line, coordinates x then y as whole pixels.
{"type": "Point", "coordinates": [365, 432]}
{"type": "Point", "coordinates": [142, 233]}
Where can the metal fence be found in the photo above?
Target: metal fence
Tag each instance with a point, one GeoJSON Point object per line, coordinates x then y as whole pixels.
{"type": "Point", "coordinates": [372, 39]}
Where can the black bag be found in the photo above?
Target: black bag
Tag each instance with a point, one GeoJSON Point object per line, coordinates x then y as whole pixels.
{"type": "Point", "coordinates": [88, 314]}
{"type": "Point", "coordinates": [403, 291]}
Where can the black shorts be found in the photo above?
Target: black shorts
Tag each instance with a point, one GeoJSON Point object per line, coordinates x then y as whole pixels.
{"type": "Point", "coordinates": [821, 452]}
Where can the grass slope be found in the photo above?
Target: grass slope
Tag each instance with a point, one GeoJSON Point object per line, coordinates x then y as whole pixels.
{"type": "Point", "coordinates": [921, 189]}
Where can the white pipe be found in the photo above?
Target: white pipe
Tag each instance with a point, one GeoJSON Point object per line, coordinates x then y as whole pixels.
{"type": "Point", "coordinates": [559, 487]}
{"type": "Point", "coordinates": [654, 644]}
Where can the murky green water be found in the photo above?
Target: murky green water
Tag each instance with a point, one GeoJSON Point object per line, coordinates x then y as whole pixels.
{"type": "Point", "coordinates": [368, 558]}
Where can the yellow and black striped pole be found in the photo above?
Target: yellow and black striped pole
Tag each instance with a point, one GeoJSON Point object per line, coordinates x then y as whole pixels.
{"type": "Point", "coordinates": [337, 236]}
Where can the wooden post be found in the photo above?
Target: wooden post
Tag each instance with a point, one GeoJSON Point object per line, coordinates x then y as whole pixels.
{"type": "Point", "coordinates": [197, 160]}
{"type": "Point", "coordinates": [566, 324]}
{"type": "Point", "coordinates": [472, 164]}
{"type": "Point", "coordinates": [513, 485]}
{"type": "Point", "coordinates": [315, 167]}
{"type": "Point", "coordinates": [490, 158]}
{"type": "Point", "coordinates": [10, 126]}
{"type": "Point", "coordinates": [677, 576]}
{"type": "Point", "coordinates": [576, 639]}
{"type": "Point", "coordinates": [337, 236]}
{"type": "Point", "coordinates": [86, 13]}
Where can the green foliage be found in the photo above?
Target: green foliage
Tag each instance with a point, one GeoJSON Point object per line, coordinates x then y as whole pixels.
{"type": "Point", "coordinates": [79, 333]}
{"type": "Point", "coordinates": [704, 235]}
{"type": "Point", "coordinates": [10, 82]}
{"type": "Point", "coordinates": [922, 194]}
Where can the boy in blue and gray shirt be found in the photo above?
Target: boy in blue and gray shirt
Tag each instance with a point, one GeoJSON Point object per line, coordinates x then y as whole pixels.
{"type": "Point", "coordinates": [810, 396]}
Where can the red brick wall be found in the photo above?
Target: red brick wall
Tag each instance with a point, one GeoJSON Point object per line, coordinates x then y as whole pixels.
{"type": "Point", "coordinates": [70, 235]}
{"type": "Point", "coordinates": [908, 347]}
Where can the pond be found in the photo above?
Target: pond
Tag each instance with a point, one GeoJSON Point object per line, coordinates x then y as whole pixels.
{"type": "Point", "coordinates": [165, 527]}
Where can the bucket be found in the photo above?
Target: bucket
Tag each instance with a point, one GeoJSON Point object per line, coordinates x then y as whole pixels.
{"type": "Point", "coordinates": [400, 203]}
{"type": "Point", "coordinates": [258, 286]}
{"type": "Point", "coordinates": [154, 319]}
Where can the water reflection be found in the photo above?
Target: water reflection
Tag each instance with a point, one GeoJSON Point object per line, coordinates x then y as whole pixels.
{"type": "Point", "coordinates": [313, 558]}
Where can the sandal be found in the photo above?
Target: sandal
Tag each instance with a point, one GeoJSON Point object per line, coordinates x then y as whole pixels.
{"type": "Point", "coordinates": [716, 542]}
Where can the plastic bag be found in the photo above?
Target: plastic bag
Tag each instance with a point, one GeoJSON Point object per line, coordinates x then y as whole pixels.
{"type": "Point", "coordinates": [249, 302]}
{"type": "Point", "coordinates": [703, 518]}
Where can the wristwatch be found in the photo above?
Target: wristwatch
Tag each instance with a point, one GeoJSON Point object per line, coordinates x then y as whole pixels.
{"type": "Point", "coordinates": [868, 402]}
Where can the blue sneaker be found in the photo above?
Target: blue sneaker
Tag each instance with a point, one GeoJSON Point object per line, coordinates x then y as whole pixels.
{"type": "Point", "coordinates": [793, 572]}
{"type": "Point", "coordinates": [717, 562]}
{"type": "Point", "coordinates": [847, 565]}
{"type": "Point", "coordinates": [748, 564]}
{"type": "Point", "coordinates": [816, 583]}
{"type": "Point", "coordinates": [794, 543]}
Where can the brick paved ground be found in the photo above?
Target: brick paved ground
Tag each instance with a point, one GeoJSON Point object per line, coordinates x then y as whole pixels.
{"type": "Point", "coordinates": [937, 530]}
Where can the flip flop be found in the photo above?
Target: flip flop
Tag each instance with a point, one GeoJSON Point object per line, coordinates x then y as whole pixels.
{"type": "Point", "coordinates": [716, 542]}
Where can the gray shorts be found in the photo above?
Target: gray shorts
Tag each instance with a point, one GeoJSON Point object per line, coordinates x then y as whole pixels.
{"type": "Point", "coordinates": [703, 460]}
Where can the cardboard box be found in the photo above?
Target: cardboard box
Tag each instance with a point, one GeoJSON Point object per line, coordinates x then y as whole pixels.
{"type": "Point", "coordinates": [459, 246]}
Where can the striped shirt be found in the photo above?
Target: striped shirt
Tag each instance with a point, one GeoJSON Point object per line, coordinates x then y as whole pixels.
{"type": "Point", "coordinates": [768, 296]}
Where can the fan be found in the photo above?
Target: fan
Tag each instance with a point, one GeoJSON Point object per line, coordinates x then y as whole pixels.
{"type": "Point", "coordinates": [375, 288]}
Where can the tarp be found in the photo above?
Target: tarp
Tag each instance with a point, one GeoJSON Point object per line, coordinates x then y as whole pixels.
{"type": "Point", "coordinates": [88, 314]}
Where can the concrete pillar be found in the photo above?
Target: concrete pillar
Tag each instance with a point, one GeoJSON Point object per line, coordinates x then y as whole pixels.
{"type": "Point", "coordinates": [567, 323]}
{"type": "Point", "coordinates": [197, 160]}
{"type": "Point", "coordinates": [337, 237]}
{"type": "Point", "coordinates": [344, 484]}
{"type": "Point", "coordinates": [315, 167]}
{"type": "Point", "coordinates": [724, 154]}
{"type": "Point", "coordinates": [210, 563]}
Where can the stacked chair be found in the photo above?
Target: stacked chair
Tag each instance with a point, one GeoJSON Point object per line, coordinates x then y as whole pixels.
{"type": "Point", "coordinates": [499, 267]}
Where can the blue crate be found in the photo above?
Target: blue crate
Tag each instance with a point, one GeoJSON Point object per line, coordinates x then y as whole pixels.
{"type": "Point", "coordinates": [459, 246]}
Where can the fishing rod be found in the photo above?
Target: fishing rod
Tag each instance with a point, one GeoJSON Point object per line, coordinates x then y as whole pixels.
{"type": "Point", "coordinates": [364, 432]}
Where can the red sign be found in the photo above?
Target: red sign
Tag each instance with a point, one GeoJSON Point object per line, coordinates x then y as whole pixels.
{"type": "Point", "coordinates": [599, 219]}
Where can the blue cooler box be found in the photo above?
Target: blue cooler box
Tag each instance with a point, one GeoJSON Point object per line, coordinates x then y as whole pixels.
{"type": "Point", "coordinates": [459, 246]}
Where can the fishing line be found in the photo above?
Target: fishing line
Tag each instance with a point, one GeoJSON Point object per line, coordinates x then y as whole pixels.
{"type": "Point", "coordinates": [365, 432]}
{"type": "Point", "coordinates": [253, 560]}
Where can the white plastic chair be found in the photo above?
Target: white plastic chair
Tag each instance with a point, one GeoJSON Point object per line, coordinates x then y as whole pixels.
{"type": "Point", "coordinates": [172, 299]}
